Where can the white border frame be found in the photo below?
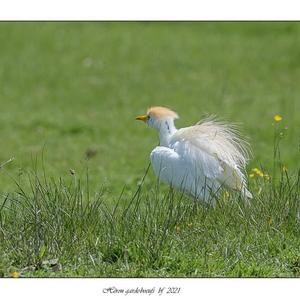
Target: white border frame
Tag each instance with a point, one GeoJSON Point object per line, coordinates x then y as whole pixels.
{"type": "Point", "coordinates": [149, 9]}
{"type": "Point", "coordinates": [190, 288]}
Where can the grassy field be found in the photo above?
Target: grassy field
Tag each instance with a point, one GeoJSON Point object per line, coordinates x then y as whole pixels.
{"type": "Point", "coordinates": [69, 95]}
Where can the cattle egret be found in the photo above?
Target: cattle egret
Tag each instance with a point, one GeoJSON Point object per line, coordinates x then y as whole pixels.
{"type": "Point", "coordinates": [198, 160]}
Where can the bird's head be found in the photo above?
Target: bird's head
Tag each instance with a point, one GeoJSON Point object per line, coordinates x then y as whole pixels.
{"type": "Point", "coordinates": [158, 117]}
{"type": "Point", "coordinates": [161, 119]}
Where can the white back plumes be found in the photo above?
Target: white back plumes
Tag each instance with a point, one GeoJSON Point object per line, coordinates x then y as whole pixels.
{"type": "Point", "coordinates": [229, 144]}
{"type": "Point", "coordinates": [223, 143]}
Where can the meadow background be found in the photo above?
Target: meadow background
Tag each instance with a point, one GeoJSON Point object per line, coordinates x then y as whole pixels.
{"type": "Point", "coordinates": [69, 96]}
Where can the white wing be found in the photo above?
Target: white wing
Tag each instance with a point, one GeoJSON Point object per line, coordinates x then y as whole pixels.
{"type": "Point", "coordinates": [179, 170]}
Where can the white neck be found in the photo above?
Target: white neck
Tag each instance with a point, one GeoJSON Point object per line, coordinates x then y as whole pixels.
{"type": "Point", "coordinates": [166, 130]}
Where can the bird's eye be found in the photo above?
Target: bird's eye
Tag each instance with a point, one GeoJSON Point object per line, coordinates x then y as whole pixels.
{"type": "Point", "coordinates": [148, 117]}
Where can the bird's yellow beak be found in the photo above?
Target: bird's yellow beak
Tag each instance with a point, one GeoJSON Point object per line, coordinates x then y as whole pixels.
{"type": "Point", "coordinates": [142, 117]}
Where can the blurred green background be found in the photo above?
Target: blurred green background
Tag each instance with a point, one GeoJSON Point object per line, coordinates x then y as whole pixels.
{"type": "Point", "coordinates": [72, 90]}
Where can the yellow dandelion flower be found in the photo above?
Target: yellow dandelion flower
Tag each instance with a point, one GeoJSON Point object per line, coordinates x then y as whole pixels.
{"type": "Point", "coordinates": [15, 274]}
{"type": "Point", "coordinates": [277, 117]}
{"type": "Point", "coordinates": [260, 173]}
{"type": "Point", "coordinates": [225, 194]}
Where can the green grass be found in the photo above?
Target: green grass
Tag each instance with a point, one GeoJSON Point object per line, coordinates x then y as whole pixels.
{"type": "Point", "coordinates": [152, 233]}
{"type": "Point", "coordinates": [69, 95]}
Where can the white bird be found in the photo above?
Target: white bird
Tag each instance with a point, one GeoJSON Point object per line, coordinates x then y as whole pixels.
{"type": "Point", "coordinates": [198, 160]}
